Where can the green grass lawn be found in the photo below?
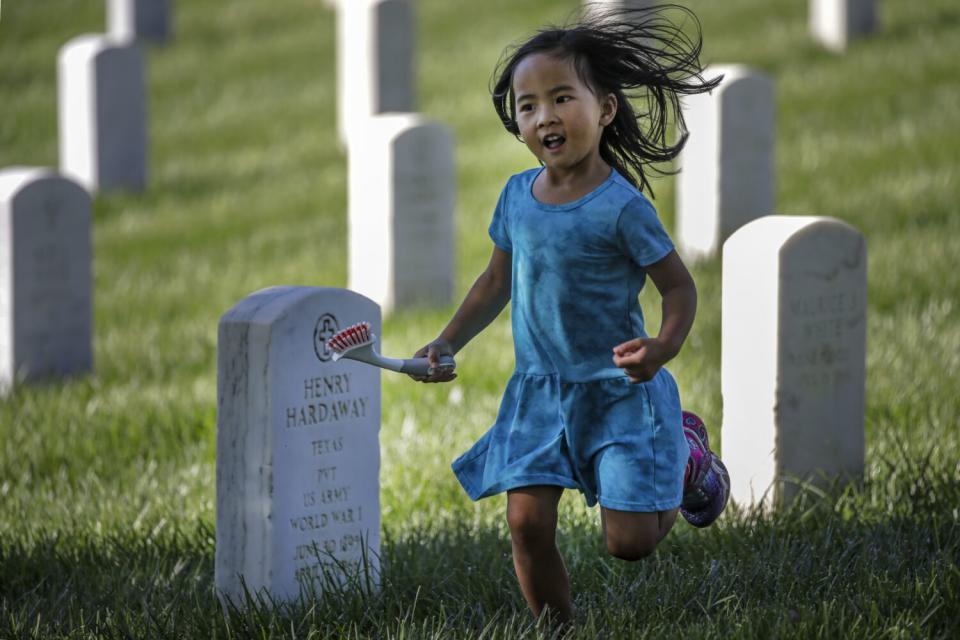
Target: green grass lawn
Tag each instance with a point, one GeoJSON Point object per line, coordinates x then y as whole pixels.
{"type": "Point", "coordinates": [107, 481]}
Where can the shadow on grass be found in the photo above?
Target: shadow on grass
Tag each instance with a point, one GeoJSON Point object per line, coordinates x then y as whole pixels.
{"type": "Point", "coordinates": [878, 559]}
{"type": "Point", "coordinates": [121, 584]}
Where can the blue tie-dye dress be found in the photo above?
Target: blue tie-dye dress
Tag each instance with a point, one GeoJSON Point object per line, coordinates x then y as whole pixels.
{"type": "Point", "coordinates": [569, 417]}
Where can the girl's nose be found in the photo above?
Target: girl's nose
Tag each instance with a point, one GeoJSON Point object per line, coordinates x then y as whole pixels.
{"type": "Point", "coordinates": [548, 116]}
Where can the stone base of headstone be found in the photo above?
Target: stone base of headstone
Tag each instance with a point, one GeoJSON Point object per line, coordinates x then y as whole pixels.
{"type": "Point", "coordinates": [139, 20]}
{"type": "Point", "coordinates": [46, 314]}
{"type": "Point", "coordinates": [834, 23]}
{"type": "Point", "coordinates": [102, 113]}
{"type": "Point", "coordinates": [298, 453]}
{"type": "Point", "coordinates": [794, 351]}
{"type": "Point", "coordinates": [401, 199]}
{"type": "Point", "coordinates": [727, 166]}
{"type": "Point", "coordinates": [375, 68]}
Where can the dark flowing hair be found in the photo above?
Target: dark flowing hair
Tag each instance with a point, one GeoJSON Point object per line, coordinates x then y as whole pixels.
{"type": "Point", "coordinates": [635, 54]}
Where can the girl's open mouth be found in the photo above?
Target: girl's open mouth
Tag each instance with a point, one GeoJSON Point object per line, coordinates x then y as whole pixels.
{"type": "Point", "coordinates": [553, 141]}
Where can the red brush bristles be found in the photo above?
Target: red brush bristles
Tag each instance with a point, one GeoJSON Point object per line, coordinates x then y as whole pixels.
{"type": "Point", "coordinates": [353, 336]}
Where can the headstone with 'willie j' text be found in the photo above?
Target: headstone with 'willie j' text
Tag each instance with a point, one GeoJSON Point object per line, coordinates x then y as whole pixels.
{"type": "Point", "coordinates": [102, 113]}
{"type": "Point", "coordinates": [46, 313]}
{"type": "Point", "coordinates": [794, 356]}
{"type": "Point", "coordinates": [727, 166]}
{"type": "Point", "coordinates": [401, 199]}
{"type": "Point", "coordinates": [298, 453]}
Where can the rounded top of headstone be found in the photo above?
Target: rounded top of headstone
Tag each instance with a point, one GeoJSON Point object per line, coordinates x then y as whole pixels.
{"type": "Point", "coordinates": [397, 119]}
{"type": "Point", "coordinates": [733, 73]}
{"type": "Point", "coordinates": [266, 306]}
{"type": "Point", "coordinates": [391, 125]}
{"type": "Point", "coordinates": [14, 180]}
{"type": "Point", "coordinates": [91, 45]}
{"type": "Point", "coordinates": [774, 233]}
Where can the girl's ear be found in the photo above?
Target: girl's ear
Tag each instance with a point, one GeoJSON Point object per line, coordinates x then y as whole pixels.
{"type": "Point", "coordinates": [608, 109]}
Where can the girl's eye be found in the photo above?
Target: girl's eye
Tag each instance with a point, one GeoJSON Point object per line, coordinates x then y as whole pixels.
{"type": "Point", "coordinates": [561, 99]}
{"type": "Point", "coordinates": [526, 107]}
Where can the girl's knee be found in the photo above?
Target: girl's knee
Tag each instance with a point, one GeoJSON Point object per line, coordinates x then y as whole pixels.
{"type": "Point", "coordinates": [633, 536]}
{"type": "Point", "coordinates": [631, 548]}
{"type": "Point", "coordinates": [531, 527]}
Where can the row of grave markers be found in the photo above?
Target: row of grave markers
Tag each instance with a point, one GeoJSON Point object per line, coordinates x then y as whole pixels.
{"type": "Point", "coordinates": [46, 309]}
{"type": "Point", "coordinates": [400, 188]}
{"type": "Point", "coordinates": [401, 167]}
{"type": "Point", "coordinates": [102, 110]}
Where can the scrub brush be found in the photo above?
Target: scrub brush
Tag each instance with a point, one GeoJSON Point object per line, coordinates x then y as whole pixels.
{"type": "Point", "coordinates": [357, 342]}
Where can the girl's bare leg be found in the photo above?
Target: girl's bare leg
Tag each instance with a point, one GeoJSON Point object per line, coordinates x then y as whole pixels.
{"type": "Point", "coordinates": [532, 516]}
{"type": "Point", "coordinates": [632, 536]}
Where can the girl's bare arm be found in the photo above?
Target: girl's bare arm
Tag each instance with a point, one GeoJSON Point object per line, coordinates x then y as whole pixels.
{"type": "Point", "coordinates": [483, 303]}
{"type": "Point", "coordinates": [641, 358]}
{"type": "Point", "coordinates": [679, 300]}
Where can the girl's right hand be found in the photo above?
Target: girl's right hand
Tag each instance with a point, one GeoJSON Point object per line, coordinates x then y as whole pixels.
{"type": "Point", "coordinates": [432, 352]}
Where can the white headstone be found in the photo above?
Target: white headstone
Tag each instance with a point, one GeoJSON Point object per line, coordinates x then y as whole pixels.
{"type": "Point", "coordinates": [834, 23]}
{"type": "Point", "coordinates": [147, 20]}
{"type": "Point", "coordinates": [375, 70]}
{"type": "Point", "coordinates": [102, 113]}
{"type": "Point", "coordinates": [794, 352]}
{"type": "Point", "coordinates": [727, 166]}
{"type": "Point", "coordinates": [45, 291]}
{"type": "Point", "coordinates": [401, 199]}
{"type": "Point", "coordinates": [298, 452]}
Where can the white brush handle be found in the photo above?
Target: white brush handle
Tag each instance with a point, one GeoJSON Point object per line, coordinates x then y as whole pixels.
{"type": "Point", "coordinates": [411, 366]}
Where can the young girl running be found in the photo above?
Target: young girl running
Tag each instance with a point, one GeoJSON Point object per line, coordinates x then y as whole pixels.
{"type": "Point", "coordinates": [590, 406]}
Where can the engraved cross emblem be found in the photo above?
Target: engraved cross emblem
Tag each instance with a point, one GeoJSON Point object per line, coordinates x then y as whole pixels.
{"type": "Point", "coordinates": [327, 327]}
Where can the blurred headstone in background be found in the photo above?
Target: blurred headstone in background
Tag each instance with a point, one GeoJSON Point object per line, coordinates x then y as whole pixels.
{"type": "Point", "coordinates": [298, 449]}
{"type": "Point", "coordinates": [139, 20]}
{"type": "Point", "coordinates": [46, 313]}
{"type": "Point", "coordinates": [375, 66]}
{"type": "Point", "coordinates": [603, 5]}
{"type": "Point", "coordinates": [401, 200]}
{"type": "Point", "coordinates": [727, 166]}
{"type": "Point", "coordinates": [102, 113]}
{"type": "Point", "coordinates": [794, 328]}
{"type": "Point", "coordinates": [834, 23]}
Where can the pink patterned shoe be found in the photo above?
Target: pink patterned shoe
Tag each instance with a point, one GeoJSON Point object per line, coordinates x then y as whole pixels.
{"type": "Point", "coordinates": [693, 422]}
{"type": "Point", "coordinates": [699, 460]}
{"type": "Point", "coordinates": [706, 483]}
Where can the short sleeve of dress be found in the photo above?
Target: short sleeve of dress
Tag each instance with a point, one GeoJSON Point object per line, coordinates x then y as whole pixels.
{"type": "Point", "coordinates": [640, 233]}
{"type": "Point", "coordinates": [499, 229]}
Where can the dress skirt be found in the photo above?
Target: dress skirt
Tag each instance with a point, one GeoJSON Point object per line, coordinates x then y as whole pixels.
{"type": "Point", "coordinates": [620, 444]}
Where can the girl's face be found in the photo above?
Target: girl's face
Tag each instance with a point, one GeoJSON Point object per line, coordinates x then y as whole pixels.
{"type": "Point", "coordinates": [560, 119]}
